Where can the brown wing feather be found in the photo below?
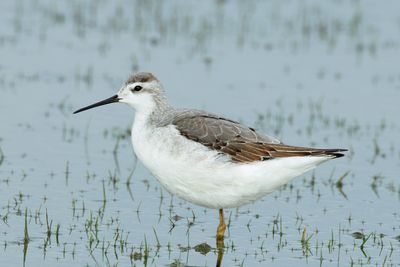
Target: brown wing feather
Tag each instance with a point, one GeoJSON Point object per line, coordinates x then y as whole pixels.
{"type": "Point", "coordinates": [241, 143]}
{"type": "Point", "coordinates": [264, 151]}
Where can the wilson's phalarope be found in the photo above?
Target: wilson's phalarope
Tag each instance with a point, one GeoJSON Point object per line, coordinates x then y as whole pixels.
{"type": "Point", "coordinates": [207, 159]}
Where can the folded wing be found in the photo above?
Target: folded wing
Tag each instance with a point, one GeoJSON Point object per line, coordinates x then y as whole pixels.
{"type": "Point", "coordinates": [241, 143]}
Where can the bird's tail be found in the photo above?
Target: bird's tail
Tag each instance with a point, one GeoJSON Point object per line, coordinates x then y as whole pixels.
{"type": "Point", "coordinates": [284, 151]}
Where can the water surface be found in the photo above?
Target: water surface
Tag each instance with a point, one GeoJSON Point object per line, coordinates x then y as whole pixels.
{"type": "Point", "coordinates": [308, 72]}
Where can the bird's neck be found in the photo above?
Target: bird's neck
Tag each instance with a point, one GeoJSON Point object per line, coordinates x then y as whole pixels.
{"type": "Point", "coordinates": [152, 116]}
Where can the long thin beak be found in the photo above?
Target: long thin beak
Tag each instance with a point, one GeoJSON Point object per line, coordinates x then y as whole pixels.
{"type": "Point", "coordinates": [110, 100]}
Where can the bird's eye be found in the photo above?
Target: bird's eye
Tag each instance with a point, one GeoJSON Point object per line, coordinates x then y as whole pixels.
{"type": "Point", "coordinates": [137, 88]}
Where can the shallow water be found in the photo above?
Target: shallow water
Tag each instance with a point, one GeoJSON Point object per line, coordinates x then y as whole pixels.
{"type": "Point", "coordinates": [309, 72]}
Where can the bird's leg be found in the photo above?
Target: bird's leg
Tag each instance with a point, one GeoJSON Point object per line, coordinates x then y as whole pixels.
{"type": "Point", "coordinates": [221, 229]}
{"type": "Point", "coordinates": [220, 257]}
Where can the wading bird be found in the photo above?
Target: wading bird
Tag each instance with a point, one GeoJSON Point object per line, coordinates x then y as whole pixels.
{"type": "Point", "coordinates": [206, 159]}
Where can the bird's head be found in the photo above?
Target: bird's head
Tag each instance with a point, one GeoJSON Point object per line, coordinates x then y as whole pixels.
{"type": "Point", "coordinates": [142, 91]}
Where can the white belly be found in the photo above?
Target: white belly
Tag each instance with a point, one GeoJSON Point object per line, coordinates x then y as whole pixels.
{"type": "Point", "coordinates": [199, 175]}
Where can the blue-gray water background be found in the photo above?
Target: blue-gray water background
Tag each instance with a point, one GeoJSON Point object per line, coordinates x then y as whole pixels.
{"type": "Point", "coordinates": [320, 73]}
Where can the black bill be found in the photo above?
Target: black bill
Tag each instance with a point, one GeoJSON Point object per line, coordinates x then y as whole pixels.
{"type": "Point", "coordinates": [110, 100]}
